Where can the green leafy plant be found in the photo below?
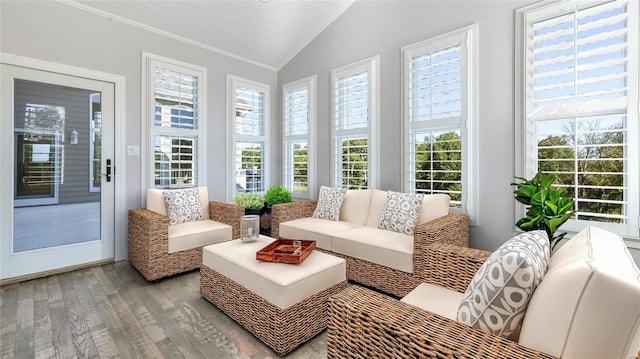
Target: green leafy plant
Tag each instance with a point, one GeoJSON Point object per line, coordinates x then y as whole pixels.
{"type": "Point", "coordinates": [277, 194]}
{"type": "Point", "coordinates": [249, 200]}
{"type": "Point", "coordinates": [547, 207]}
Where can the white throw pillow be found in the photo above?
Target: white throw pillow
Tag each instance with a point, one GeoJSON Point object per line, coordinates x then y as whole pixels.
{"type": "Point", "coordinates": [183, 206]}
{"type": "Point", "coordinates": [329, 203]}
{"type": "Point", "coordinates": [497, 297]}
{"type": "Point", "coordinates": [401, 212]}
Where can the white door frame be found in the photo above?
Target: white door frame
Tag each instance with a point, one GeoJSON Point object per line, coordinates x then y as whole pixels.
{"type": "Point", "coordinates": [6, 196]}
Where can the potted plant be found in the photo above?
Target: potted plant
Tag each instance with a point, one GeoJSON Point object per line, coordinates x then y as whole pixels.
{"type": "Point", "coordinates": [252, 202]}
{"type": "Point", "coordinates": [547, 207]}
{"type": "Point", "coordinates": [274, 195]}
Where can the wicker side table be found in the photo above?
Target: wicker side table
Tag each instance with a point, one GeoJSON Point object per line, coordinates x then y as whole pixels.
{"type": "Point", "coordinates": [279, 303]}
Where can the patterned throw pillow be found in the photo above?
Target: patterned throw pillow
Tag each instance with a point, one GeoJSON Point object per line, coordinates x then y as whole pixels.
{"type": "Point", "coordinates": [497, 297]}
{"type": "Point", "coordinates": [329, 203]}
{"type": "Point", "coordinates": [183, 206]}
{"type": "Point", "coordinates": [401, 212]}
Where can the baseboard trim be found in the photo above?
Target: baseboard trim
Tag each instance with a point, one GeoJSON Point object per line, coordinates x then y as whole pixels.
{"type": "Point", "coordinates": [27, 277]}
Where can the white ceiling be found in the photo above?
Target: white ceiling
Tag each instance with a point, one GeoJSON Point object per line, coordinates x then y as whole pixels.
{"type": "Point", "coordinates": [268, 34]}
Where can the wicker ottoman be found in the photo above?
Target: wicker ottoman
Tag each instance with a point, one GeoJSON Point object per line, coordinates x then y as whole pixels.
{"type": "Point", "coordinates": [283, 305]}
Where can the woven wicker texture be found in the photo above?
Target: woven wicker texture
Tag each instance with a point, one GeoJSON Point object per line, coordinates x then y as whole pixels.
{"type": "Point", "coordinates": [281, 329]}
{"type": "Point", "coordinates": [452, 229]}
{"type": "Point", "coordinates": [367, 324]}
{"type": "Point", "coordinates": [148, 243]}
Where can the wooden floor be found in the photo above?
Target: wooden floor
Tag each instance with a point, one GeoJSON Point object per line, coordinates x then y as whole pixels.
{"type": "Point", "coordinates": [110, 311]}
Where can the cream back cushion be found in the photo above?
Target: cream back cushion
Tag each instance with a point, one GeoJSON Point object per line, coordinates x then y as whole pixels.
{"type": "Point", "coordinates": [355, 206]}
{"type": "Point", "coordinates": [588, 304]}
{"type": "Point", "coordinates": [378, 200]}
{"type": "Point", "coordinates": [155, 200]}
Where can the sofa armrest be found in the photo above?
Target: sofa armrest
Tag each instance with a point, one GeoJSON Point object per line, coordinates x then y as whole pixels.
{"type": "Point", "coordinates": [367, 324]}
{"type": "Point", "coordinates": [148, 234]}
{"type": "Point", "coordinates": [448, 266]}
{"type": "Point", "coordinates": [284, 212]}
{"type": "Point", "coordinates": [227, 213]}
{"type": "Point", "coordinates": [441, 255]}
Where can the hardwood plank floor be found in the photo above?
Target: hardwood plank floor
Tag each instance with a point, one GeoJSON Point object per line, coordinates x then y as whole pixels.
{"type": "Point", "coordinates": [110, 311]}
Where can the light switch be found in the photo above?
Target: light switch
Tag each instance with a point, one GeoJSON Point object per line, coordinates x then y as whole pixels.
{"type": "Point", "coordinates": [133, 150]}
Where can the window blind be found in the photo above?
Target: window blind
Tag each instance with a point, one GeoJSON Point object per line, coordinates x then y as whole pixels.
{"type": "Point", "coordinates": [578, 84]}
{"type": "Point", "coordinates": [296, 137]}
{"type": "Point", "coordinates": [435, 90]}
{"type": "Point", "coordinates": [176, 130]}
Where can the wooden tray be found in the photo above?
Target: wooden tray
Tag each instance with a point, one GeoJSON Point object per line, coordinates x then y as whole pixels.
{"type": "Point", "coordinates": [284, 250]}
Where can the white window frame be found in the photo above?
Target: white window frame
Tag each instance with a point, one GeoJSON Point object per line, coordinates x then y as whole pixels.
{"type": "Point", "coordinates": [308, 83]}
{"type": "Point", "coordinates": [467, 37]}
{"type": "Point", "coordinates": [233, 83]}
{"type": "Point", "coordinates": [149, 63]}
{"type": "Point", "coordinates": [526, 163]}
{"type": "Point", "coordinates": [371, 131]}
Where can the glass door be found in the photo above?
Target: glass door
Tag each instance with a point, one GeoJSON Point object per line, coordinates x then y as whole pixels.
{"type": "Point", "coordinates": [61, 164]}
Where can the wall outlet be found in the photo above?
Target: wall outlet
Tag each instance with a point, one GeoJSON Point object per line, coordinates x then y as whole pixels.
{"type": "Point", "coordinates": [133, 150]}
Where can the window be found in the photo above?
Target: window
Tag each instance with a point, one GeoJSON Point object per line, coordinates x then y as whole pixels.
{"type": "Point", "coordinates": [579, 106]}
{"type": "Point", "coordinates": [175, 91]}
{"type": "Point", "coordinates": [299, 137]}
{"type": "Point", "coordinates": [248, 119]}
{"type": "Point", "coordinates": [354, 115]}
{"type": "Point", "coordinates": [438, 111]}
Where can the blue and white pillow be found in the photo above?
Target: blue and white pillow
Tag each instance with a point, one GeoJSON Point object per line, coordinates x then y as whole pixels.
{"type": "Point", "coordinates": [329, 203]}
{"type": "Point", "coordinates": [401, 212]}
{"type": "Point", "coordinates": [183, 206]}
{"type": "Point", "coordinates": [497, 297]}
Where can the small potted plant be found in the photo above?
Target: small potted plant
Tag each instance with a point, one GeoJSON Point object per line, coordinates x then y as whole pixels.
{"type": "Point", "coordinates": [252, 202]}
{"type": "Point", "coordinates": [547, 207]}
{"type": "Point", "coordinates": [274, 195]}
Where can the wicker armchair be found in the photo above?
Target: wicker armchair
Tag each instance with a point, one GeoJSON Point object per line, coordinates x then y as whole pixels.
{"type": "Point", "coordinates": [148, 243]}
{"type": "Point", "coordinates": [585, 307]}
{"type": "Point", "coordinates": [366, 324]}
{"type": "Point", "coordinates": [450, 229]}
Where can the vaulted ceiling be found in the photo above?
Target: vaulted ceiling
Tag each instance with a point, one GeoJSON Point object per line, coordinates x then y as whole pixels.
{"type": "Point", "coordinates": [264, 32]}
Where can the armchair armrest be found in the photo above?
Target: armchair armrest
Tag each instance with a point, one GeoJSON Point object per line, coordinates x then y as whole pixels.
{"type": "Point", "coordinates": [148, 236]}
{"type": "Point", "coordinates": [367, 324]}
{"type": "Point", "coordinates": [227, 213]}
{"type": "Point", "coordinates": [284, 212]}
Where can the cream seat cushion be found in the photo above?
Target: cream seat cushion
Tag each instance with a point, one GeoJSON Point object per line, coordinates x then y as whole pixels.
{"type": "Point", "coordinates": [196, 234]}
{"type": "Point", "coordinates": [315, 229]}
{"type": "Point", "coordinates": [588, 304]}
{"type": "Point", "coordinates": [387, 248]}
{"type": "Point", "coordinates": [281, 284]}
{"type": "Point", "coordinates": [435, 299]}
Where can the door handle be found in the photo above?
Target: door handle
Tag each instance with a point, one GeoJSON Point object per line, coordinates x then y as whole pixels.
{"type": "Point", "coordinates": [108, 174]}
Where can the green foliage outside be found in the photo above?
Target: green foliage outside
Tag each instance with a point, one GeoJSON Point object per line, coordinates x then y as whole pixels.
{"type": "Point", "coordinates": [300, 171]}
{"type": "Point", "coordinates": [355, 163]}
{"type": "Point", "coordinates": [438, 166]}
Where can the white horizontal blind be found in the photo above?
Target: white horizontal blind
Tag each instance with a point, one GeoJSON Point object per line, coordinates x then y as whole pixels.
{"type": "Point", "coordinates": [249, 108]}
{"type": "Point", "coordinates": [296, 138]}
{"type": "Point", "coordinates": [249, 111]}
{"type": "Point", "coordinates": [354, 94]}
{"type": "Point", "coordinates": [351, 100]}
{"type": "Point", "coordinates": [435, 99]}
{"type": "Point", "coordinates": [579, 90]}
{"type": "Point", "coordinates": [176, 129]}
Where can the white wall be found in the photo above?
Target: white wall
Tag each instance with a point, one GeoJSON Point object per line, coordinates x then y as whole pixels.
{"type": "Point", "coordinates": [369, 28]}
{"type": "Point", "coordinates": [59, 33]}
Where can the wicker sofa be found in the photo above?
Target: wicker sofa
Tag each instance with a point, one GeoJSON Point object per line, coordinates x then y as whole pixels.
{"type": "Point", "coordinates": [585, 307]}
{"type": "Point", "coordinates": [389, 261]}
{"type": "Point", "coordinates": [158, 250]}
